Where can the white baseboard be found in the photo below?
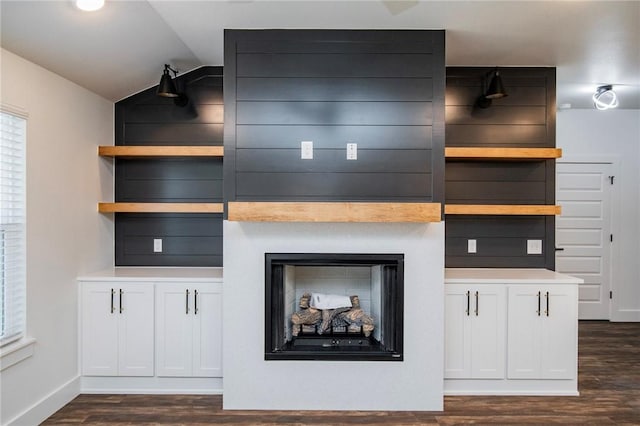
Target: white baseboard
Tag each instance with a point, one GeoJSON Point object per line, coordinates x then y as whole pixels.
{"type": "Point", "coordinates": [515, 387]}
{"type": "Point", "coordinates": [151, 385]}
{"type": "Point", "coordinates": [510, 393]}
{"type": "Point", "coordinates": [48, 405]}
{"type": "Point", "coordinates": [626, 315]}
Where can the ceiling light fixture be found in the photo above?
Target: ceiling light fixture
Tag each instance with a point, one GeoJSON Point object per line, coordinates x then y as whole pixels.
{"type": "Point", "coordinates": [167, 87]}
{"type": "Point", "coordinates": [496, 88]}
{"type": "Point", "coordinates": [605, 98]}
{"type": "Point", "coordinates": [89, 5]}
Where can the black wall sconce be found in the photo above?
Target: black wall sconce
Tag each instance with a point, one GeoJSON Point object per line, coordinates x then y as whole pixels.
{"type": "Point", "coordinates": [167, 87]}
{"type": "Point", "coordinates": [495, 90]}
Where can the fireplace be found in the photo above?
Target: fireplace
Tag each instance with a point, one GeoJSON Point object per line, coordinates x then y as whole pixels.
{"type": "Point", "coordinates": [252, 382]}
{"type": "Point", "coordinates": [333, 306]}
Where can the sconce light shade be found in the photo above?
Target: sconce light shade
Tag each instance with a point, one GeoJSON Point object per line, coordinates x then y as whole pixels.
{"type": "Point", "coordinates": [605, 98]}
{"type": "Point", "coordinates": [167, 88]}
{"type": "Point", "coordinates": [496, 88]}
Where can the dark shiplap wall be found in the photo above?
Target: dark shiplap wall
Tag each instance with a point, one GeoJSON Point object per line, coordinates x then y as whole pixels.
{"type": "Point", "coordinates": [526, 118]}
{"type": "Point", "coordinates": [146, 119]}
{"type": "Point", "coordinates": [187, 239]}
{"type": "Point", "coordinates": [383, 90]}
{"type": "Point", "coordinates": [501, 241]}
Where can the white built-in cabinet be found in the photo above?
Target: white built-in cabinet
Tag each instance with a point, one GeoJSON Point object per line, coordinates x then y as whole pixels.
{"type": "Point", "coordinates": [474, 331]}
{"type": "Point", "coordinates": [542, 332]}
{"type": "Point", "coordinates": [151, 330]}
{"type": "Point", "coordinates": [189, 330]}
{"type": "Point", "coordinates": [510, 332]}
{"type": "Point", "coordinates": [117, 329]}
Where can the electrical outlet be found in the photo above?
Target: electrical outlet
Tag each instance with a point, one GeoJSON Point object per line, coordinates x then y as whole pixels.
{"type": "Point", "coordinates": [352, 151]}
{"type": "Point", "coordinates": [471, 246]}
{"type": "Point", "coordinates": [534, 246]}
{"type": "Point", "coordinates": [157, 245]}
{"type": "Point", "coordinates": [306, 150]}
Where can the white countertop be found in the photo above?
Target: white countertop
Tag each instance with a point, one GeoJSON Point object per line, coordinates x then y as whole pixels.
{"type": "Point", "coordinates": [451, 276]}
{"type": "Point", "coordinates": [155, 274]}
{"type": "Point", "coordinates": [507, 276]}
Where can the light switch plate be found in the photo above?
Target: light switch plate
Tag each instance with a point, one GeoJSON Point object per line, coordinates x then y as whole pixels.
{"type": "Point", "coordinates": [352, 151]}
{"type": "Point", "coordinates": [157, 245]}
{"type": "Point", "coordinates": [534, 246]}
{"type": "Point", "coordinates": [471, 246]}
{"type": "Point", "coordinates": [306, 150]}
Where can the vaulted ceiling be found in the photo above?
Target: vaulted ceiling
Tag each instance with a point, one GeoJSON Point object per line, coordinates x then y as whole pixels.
{"type": "Point", "coordinates": [121, 49]}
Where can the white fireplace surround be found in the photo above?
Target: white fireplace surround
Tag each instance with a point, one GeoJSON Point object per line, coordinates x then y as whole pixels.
{"type": "Point", "coordinates": [250, 382]}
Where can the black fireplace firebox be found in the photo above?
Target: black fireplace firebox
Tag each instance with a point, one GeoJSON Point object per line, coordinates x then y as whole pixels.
{"type": "Point", "coordinates": [384, 305]}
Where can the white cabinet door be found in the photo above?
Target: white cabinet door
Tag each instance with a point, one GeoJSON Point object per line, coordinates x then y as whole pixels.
{"type": "Point", "coordinates": [207, 331]}
{"type": "Point", "coordinates": [174, 326]}
{"type": "Point", "coordinates": [559, 333]}
{"type": "Point", "coordinates": [189, 330]}
{"type": "Point", "coordinates": [457, 360]}
{"type": "Point", "coordinates": [542, 332]}
{"type": "Point", "coordinates": [474, 331]}
{"type": "Point", "coordinates": [99, 323]}
{"type": "Point", "coordinates": [488, 332]}
{"type": "Point", "coordinates": [523, 332]}
{"type": "Point", "coordinates": [135, 329]}
{"type": "Point", "coordinates": [117, 329]}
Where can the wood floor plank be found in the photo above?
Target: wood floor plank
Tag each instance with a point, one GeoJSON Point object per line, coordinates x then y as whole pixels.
{"type": "Point", "coordinates": [608, 380]}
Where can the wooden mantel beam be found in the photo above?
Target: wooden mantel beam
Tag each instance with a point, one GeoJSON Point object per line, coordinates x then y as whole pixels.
{"type": "Point", "coordinates": [333, 212]}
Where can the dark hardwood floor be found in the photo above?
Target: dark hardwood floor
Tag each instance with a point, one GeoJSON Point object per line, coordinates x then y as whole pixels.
{"type": "Point", "coordinates": [609, 383]}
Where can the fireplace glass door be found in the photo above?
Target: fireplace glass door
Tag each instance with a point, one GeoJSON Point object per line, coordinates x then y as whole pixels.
{"type": "Point", "coordinates": [333, 306]}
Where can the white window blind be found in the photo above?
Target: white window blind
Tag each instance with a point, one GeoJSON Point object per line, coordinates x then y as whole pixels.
{"type": "Point", "coordinates": [12, 226]}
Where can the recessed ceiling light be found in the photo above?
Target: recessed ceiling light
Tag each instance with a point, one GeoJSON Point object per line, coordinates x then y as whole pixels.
{"type": "Point", "coordinates": [89, 5]}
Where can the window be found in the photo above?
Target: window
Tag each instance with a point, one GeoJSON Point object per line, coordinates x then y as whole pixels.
{"type": "Point", "coordinates": [12, 225]}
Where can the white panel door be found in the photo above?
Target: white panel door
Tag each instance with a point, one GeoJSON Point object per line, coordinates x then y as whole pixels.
{"type": "Point", "coordinates": [135, 329]}
{"type": "Point", "coordinates": [99, 322]}
{"type": "Point", "coordinates": [583, 233]}
{"type": "Point", "coordinates": [174, 322]}
{"type": "Point", "coordinates": [207, 331]}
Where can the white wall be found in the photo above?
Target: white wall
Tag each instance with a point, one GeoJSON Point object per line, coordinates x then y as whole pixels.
{"type": "Point", "coordinates": [66, 236]}
{"type": "Point", "coordinates": [613, 136]}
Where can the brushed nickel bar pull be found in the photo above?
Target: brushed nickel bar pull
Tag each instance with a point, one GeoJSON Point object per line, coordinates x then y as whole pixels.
{"type": "Point", "coordinates": [547, 311]}
{"type": "Point", "coordinates": [186, 301]}
{"type": "Point", "coordinates": [468, 302]}
{"type": "Point", "coordinates": [477, 303]}
{"type": "Point", "coordinates": [121, 300]}
{"type": "Point", "coordinates": [113, 293]}
{"type": "Point", "coordinates": [195, 302]}
{"type": "Point", "coordinates": [538, 311]}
